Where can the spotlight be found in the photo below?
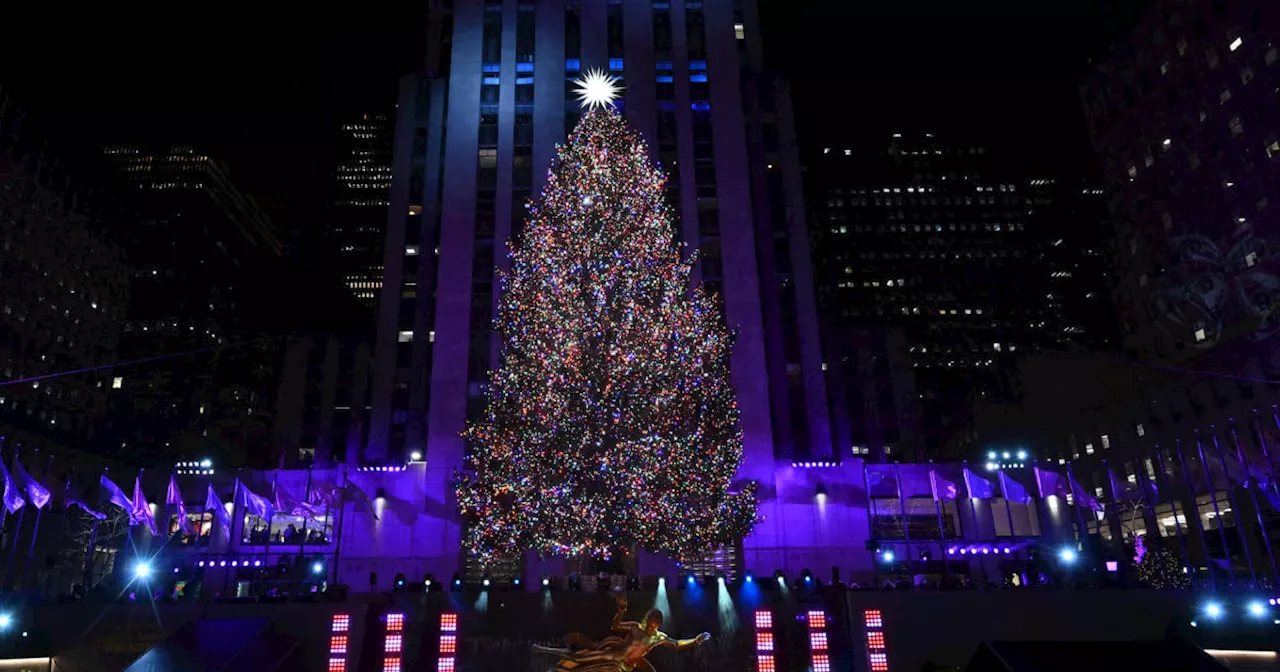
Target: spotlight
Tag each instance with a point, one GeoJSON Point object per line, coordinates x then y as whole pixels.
{"type": "Point", "coordinates": [257, 563]}
{"type": "Point", "coordinates": [6, 621]}
{"type": "Point", "coordinates": [1067, 556]}
{"type": "Point", "coordinates": [141, 570]}
{"type": "Point", "coordinates": [415, 455]}
{"type": "Point", "coordinates": [1194, 624]}
{"type": "Point", "coordinates": [690, 580]}
{"type": "Point", "coordinates": [547, 582]}
{"type": "Point", "coordinates": [748, 578]}
{"type": "Point", "coordinates": [1213, 610]}
{"type": "Point", "coordinates": [1022, 454]}
{"type": "Point", "coordinates": [985, 550]}
{"type": "Point", "coordinates": [200, 564]}
{"type": "Point", "coordinates": [175, 570]}
{"type": "Point", "coordinates": [951, 551]}
{"type": "Point", "coordinates": [222, 563]}
{"type": "Point", "coordinates": [886, 557]}
{"type": "Point", "coordinates": [516, 582]}
{"type": "Point", "coordinates": [427, 584]}
{"type": "Point", "coordinates": [1005, 455]}
{"type": "Point", "coordinates": [1256, 608]}
{"type": "Point", "coordinates": [1007, 550]}
{"type": "Point", "coordinates": [234, 563]}
{"type": "Point", "coordinates": [720, 580]}
{"type": "Point", "coordinates": [317, 568]}
{"type": "Point", "coordinates": [991, 454]}
{"type": "Point", "coordinates": [991, 466]}
{"type": "Point", "coordinates": [964, 551]}
{"type": "Point", "coordinates": [486, 583]}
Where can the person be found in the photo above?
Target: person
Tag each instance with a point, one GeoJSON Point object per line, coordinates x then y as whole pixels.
{"type": "Point", "coordinates": [619, 654]}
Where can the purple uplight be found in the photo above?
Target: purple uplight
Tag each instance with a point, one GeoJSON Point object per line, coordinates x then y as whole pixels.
{"type": "Point", "coordinates": [1113, 566]}
{"type": "Point", "coordinates": [200, 564]}
{"type": "Point", "coordinates": [257, 563]}
{"type": "Point", "coordinates": [1007, 550]}
{"type": "Point", "coordinates": [964, 551]}
{"type": "Point", "coordinates": [222, 564]}
{"type": "Point", "coordinates": [175, 570]}
{"type": "Point", "coordinates": [985, 550]}
{"type": "Point", "coordinates": [951, 551]}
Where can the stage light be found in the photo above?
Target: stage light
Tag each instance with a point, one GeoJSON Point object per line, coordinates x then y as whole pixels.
{"type": "Point", "coordinates": [1022, 454]}
{"type": "Point", "coordinates": [546, 582]}
{"type": "Point", "coordinates": [748, 578]}
{"type": "Point", "coordinates": [175, 570]}
{"type": "Point", "coordinates": [415, 455]}
{"type": "Point", "coordinates": [1213, 610]}
{"type": "Point", "coordinates": [991, 466]}
{"type": "Point", "coordinates": [964, 551]}
{"type": "Point", "coordinates": [1257, 609]}
{"type": "Point", "coordinates": [985, 550]}
{"type": "Point", "coordinates": [486, 583]}
{"type": "Point", "coordinates": [690, 580]}
{"type": "Point", "coordinates": [427, 583]}
{"type": "Point", "coordinates": [991, 454]}
{"type": "Point", "coordinates": [257, 563]}
{"type": "Point", "coordinates": [6, 621]}
{"type": "Point", "coordinates": [517, 582]}
{"type": "Point", "coordinates": [200, 564]}
{"type": "Point", "coordinates": [317, 568]}
{"type": "Point", "coordinates": [222, 563]}
{"type": "Point", "coordinates": [1007, 550]}
{"type": "Point", "coordinates": [951, 551]}
{"type": "Point", "coordinates": [141, 571]}
{"type": "Point", "coordinates": [886, 557]}
{"type": "Point", "coordinates": [234, 563]}
{"type": "Point", "coordinates": [1067, 556]}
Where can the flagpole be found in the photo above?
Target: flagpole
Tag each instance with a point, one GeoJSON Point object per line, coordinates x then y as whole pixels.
{"type": "Point", "coordinates": [35, 534]}
{"type": "Point", "coordinates": [17, 533]}
{"type": "Point", "coordinates": [1235, 507]}
{"type": "Point", "coordinates": [1008, 507]}
{"type": "Point", "coordinates": [942, 528]}
{"type": "Point", "coordinates": [165, 536]}
{"type": "Point", "coordinates": [902, 502]}
{"type": "Point", "coordinates": [88, 557]}
{"type": "Point", "coordinates": [1173, 506]}
{"type": "Point", "coordinates": [306, 495]}
{"type": "Point", "coordinates": [1266, 452]}
{"type": "Point", "coordinates": [266, 550]}
{"type": "Point", "coordinates": [342, 516]}
{"type": "Point", "coordinates": [1213, 499]}
{"type": "Point", "coordinates": [1083, 535]}
{"type": "Point", "coordinates": [4, 510]}
{"type": "Point", "coordinates": [1253, 497]}
{"type": "Point", "coordinates": [968, 491]}
{"type": "Point", "coordinates": [1186, 477]}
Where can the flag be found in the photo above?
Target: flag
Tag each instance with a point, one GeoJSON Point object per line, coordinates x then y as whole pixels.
{"type": "Point", "coordinates": [1051, 483]}
{"type": "Point", "coordinates": [142, 508]}
{"type": "Point", "coordinates": [212, 503]}
{"type": "Point", "coordinates": [174, 499]}
{"type": "Point", "coordinates": [359, 495]}
{"type": "Point", "coordinates": [1013, 490]}
{"type": "Point", "coordinates": [914, 480]}
{"type": "Point", "coordinates": [73, 501]}
{"type": "Point", "coordinates": [38, 494]}
{"type": "Point", "coordinates": [256, 504]}
{"type": "Point", "coordinates": [285, 502]}
{"type": "Point", "coordinates": [942, 488]}
{"type": "Point", "coordinates": [116, 496]}
{"type": "Point", "coordinates": [1082, 496]}
{"type": "Point", "coordinates": [978, 487]}
{"type": "Point", "coordinates": [882, 481]}
{"type": "Point", "coordinates": [12, 495]}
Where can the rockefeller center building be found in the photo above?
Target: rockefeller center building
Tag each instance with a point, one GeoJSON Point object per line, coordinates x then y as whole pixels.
{"type": "Point", "coordinates": [475, 134]}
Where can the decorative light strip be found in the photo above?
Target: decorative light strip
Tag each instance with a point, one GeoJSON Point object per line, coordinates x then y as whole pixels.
{"type": "Point", "coordinates": [389, 467]}
{"type": "Point", "coordinates": [765, 661]}
{"type": "Point", "coordinates": [877, 652]}
{"type": "Point", "coordinates": [819, 654]}
{"type": "Point", "coordinates": [814, 465]}
{"type": "Point", "coordinates": [448, 641]}
{"type": "Point", "coordinates": [393, 643]}
{"type": "Point", "coordinates": [339, 640]}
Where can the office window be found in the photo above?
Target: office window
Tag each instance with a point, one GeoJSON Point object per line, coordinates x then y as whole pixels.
{"type": "Point", "coordinates": [405, 336]}
{"type": "Point", "coordinates": [1235, 44]}
{"type": "Point", "coordinates": [1142, 431]}
{"type": "Point", "coordinates": [1106, 441]}
{"type": "Point", "coordinates": [1236, 126]}
{"type": "Point", "coordinates": [1088, 449]}
{"type": "Point", "coordinates": [739, 32]}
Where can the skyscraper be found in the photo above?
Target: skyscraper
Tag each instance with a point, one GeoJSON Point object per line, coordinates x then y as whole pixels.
{"type": "Point", "coordinates": [1184, 115]}
{"type": "Point", "coordinates": [941, 262]}
{"type": "Point", "coordinates": [476, 131]}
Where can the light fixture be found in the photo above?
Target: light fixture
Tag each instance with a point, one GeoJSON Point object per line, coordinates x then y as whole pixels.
{"type": "Point", "coordinates": [887, 557]}
{"type": "Point", "coordinates": [1022, 454]}
{"type": "Point", "coordinates": [991, 454]}
{"type": "Point", "coordinates": [1213, 610]}
{"type": "Point", "coordinates": [317, 568]}
{"type": "Point", "coordinates": [141, 570]}
{"type": "Point", "coordinates": [6, 621]}
{"type": "Point", "coordinates": [748, 578]}
{"type": "Point", "coordinates": [486, 583]}
{"type": "Point", "coordinates": [1256, 608]}
{"type": "Point", "coordinates": [1067, 556]}
{"type": "Point", "coordinates": [416, 455]}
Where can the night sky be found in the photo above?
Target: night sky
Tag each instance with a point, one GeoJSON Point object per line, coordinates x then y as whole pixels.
{"type": "Point", "coordinates": [261, 86]}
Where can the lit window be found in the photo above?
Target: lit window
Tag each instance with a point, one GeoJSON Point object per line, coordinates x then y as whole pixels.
{"type": "Point", "coordinates": [406, 336]}
{"type": "Point", "coordinates": [1273, 149]}
{"type": "Point", "coordinates": [1235, 44]}
{"type": "Point", "coordinates": [431, 336]}
{"type": "Point", "coordinates": [411, 250]}
{"type": "Point", "coordinates": [117, 382]}
{"type": "Point", "coordinates": [1237, 127]}
{"type": "Point", "coordinates": [1088, 449]}
{"type": "Point", "coordinates": [1142, 431]}
{"type": "Point", "coordinates": [1106, 441]}
{"type": "Point", "coordinates": [1250, 259]}
{"type": "Point", "coordinates": [1200, 335]}
{"type": "Point", "coordinates": [739, 32]}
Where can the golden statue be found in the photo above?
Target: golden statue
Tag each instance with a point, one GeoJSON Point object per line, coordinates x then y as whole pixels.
{"type": "Point", "coordinates": [618, 654]}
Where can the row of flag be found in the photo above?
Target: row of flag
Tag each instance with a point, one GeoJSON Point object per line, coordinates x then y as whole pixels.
{"type": "Point", "coordinates": [21, 488]}
{"type": "Point", "coordinates": [925, 480]}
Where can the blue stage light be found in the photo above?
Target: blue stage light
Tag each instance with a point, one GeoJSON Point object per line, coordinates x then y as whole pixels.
{"type": "Point", "coordinates": [1067, 556]}
{"type": "Point", "coordinates": [141, 570]}
{"type": "Point", "coordinates": [1257, 609]}
{"type": "Point", "coordinates": [6, 621]}
{"type": "Point", "coordinates": [887, 557]}
{"type": "Point", "coordinates": [1213, 610]}
{"type": "Point", "coordinates": [748, 578]}
{"type": "Point", "coordinates": [317, 568]}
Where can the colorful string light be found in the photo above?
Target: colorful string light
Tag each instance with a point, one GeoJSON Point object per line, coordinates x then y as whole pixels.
{"type": "Point", "coordinates": [611, 422]}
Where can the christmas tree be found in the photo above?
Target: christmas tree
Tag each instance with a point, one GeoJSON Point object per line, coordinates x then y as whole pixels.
{"type": "Point", "coordinates": [611, 422]}
{"type": "Point", "coordinates": [1158, 567]}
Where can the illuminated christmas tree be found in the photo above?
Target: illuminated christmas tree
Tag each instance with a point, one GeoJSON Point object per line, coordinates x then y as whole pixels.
{"type": "Point", "coordinates": [611, 422]}
{"type": "Point", "coordinates": [1158, 567]}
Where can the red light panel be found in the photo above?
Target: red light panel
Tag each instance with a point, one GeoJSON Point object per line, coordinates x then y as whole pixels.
{"type": "Point", "coordinates": [875, 640]}
{"type": "Point", "coordinates": [817, 641]}
{"type": "Point", "coordinates": [764, 641]}
{"type": "Point", "coordinates": [764, 620]}
{"type": "Point", "coordinates": [817, 620]}
{"type": "Point", "coordinates": [395, 622]}
{"type": "Point", "coordinates": [391, 665]}
{"type": "Point", "coordinates": [821, 663]}
{"type": "Point", "coordinates": [337, 665]}
{"type": "Point", "coordinates": [394, 644]}
{"type": "Point", "coordinates": [338, 645]}
{"type": "Point", "coordinates": [879, 662]}
{"type": "Point", "coordinates": [765, 664]}
{"type": "Point", "coordinates": [448, 644]}
{"type": "Point", "coordinates": [877, 650]}
{"type": "Point", "coordinates": [873, 619]}
{"type": "Point", "coordinates": [446, 665]}
{"type": "Point", "coordinates": [341, 622]}
{"type": "Point", "coordinates": [448, 622]}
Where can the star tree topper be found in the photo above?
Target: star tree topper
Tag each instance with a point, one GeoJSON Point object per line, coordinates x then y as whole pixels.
{"type": "Point", "coordinates": [597, 88]}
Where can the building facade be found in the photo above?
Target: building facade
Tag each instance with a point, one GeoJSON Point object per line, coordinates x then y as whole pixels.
{"type": "Point", "coordinates": [363, 180]}
{"type": "Point", "coordinates": [476, 131]}
{"type": "Point", "coordinates": [938, 263]}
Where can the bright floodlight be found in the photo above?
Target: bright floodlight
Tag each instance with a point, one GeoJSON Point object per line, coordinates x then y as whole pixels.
{"type": "Point", "coordinates": [486, 583]}
{"type": "Point", "coordinates": [1213, 610]}
{"type": "Point", "coordinates": [991, 454]}
{"type": "Point", "coordinates": [1256, 608]}
{"type": "Point", "coordinates": [206, 463]}
{"type": "Point", "coordinates": [5, 621]}
{"type": "Point", "coordinates": [317, 568]}
{"type": "Point", "coordinates": [547, 582]}
{"type": "Point", "coordinates": [415, 455]}
{"type": "Point", "coordinates": [141, 570]}
{"type": "Point", "coordinates": [1005, 454]}
{"type": "Point", "coordinates": [1022, 454]}
{"type": "Point", "coordinates": [1067, 555]}
{"type": "Point", "coordinates": [749, 578]}
{"type": "Point", "coordinates": [887, 556]}
{"type": "Point", "coordinates": [991, 466]}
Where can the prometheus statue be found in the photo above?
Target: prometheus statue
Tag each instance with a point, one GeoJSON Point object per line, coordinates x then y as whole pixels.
{"type": "Point", "coordinates": [618, 654]}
